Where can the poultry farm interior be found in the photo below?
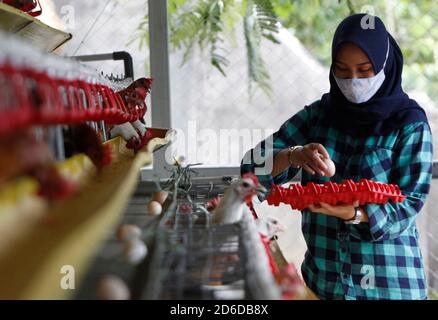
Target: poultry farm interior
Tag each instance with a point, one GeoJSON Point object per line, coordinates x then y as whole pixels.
{"type": "Point", "coordinates": [167, 153]}
{"type": "Point", "coordinates": [72, 142]}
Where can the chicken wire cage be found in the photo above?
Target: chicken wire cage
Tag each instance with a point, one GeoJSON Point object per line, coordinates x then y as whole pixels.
{"type": "Point", "coordinates": [195, 260]}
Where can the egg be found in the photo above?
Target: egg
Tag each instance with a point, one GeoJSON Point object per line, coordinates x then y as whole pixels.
{"type": "Point", "coordinates": [160, 196]}
{"type": "Point", "coordinates": [154, 208]}
{"type": "Point", "coordinates": [112, 288]}
{"type": "Point", "coordinates": [331, 169]}
{"type": "Point", "coordinates": [128, 232]}
{"type": "Point", "coordinates": [134, 251]}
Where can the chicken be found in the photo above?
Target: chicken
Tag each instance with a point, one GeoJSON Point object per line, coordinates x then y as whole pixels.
{"type": "Point", "coordinates": [143, 83]}
{"type": "Point", "coordinates": [126, 131]}
{"type": "Point", "coordinates": [139, 127]}
{"type": "Point", "coordinates": [135, 133]}
{"type": "Point", "coordinates": [228, 210]}
{"type": "Point", "coordinates": [83, 139]}
{"type": "Point", "coordinates": [269, 226]}
{"type": "Point", "coordinates": [291, 285]}
{"type": "Point", "coordinates": [135, 101]}
{"type": "Point", "coordinates": [232, 206]}
{"type": "Point", "coordinates": [135, 94]}
{"type": "Point", "coordinates": [22, 154]}
{"type": "Point", "coordinates": [52, 185]}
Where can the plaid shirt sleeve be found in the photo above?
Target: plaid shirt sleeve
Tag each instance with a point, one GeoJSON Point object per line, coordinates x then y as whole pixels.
{"type": "Point", "coordinates": [412, 171]}
{"type": "Point", "coordinates": [293, 132]}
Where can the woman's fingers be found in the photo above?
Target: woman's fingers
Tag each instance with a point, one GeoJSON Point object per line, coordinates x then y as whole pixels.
{"type": "Point", "coordinates": [321, 149]}
{"type": "Point", "coordinates": [312, 169]}
{"type": "Point", "coordinates": [309, 163]}
{"type": "Point", "coordinates": [306, 162]}
{"type": "Point", "coordinates": [308, 169]}
{"type": "Point", "coordinates": [326, 206]}
{"type": "Point", "coordinates": [313, 208]}
{"type": "Point", "coordinates": [316, 168]}
{"type": "Point", "coordinates": [314, 161]}
{"type": "Point", "coordinates": [309, 157]}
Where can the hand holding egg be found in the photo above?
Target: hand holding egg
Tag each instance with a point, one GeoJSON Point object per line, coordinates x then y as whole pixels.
{"type": "Point", "coordinates": [331, 169]}
{"type": "Point", "coordinates": [313, 158]}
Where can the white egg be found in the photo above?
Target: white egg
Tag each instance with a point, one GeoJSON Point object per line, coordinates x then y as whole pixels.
{"type": "Point", "coordinates": [160, 196]}
{"type": "Point", "coordinates": [128, 232]}
{"type": "Point", "coordinates": [112, 288]}
{"type": "Point", "coordinates": [154, 208]}
{"type": "Point", "coordinates": [134, 251]}
{"type": "Point", "coordinates": [331, 169]}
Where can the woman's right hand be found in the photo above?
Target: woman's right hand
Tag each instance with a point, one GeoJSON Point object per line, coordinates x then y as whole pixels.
{"type": "Point", "coordinates": [311, 157]}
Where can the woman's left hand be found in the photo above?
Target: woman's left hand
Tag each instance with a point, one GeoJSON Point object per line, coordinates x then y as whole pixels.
{"type": "Point", "coordinates": [345, 212]}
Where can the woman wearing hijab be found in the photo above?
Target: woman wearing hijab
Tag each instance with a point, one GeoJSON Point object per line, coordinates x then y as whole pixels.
{"type": "Point", "coordinates": [372, 130]}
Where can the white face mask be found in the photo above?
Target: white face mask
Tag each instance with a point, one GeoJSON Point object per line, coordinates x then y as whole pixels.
{"type": "Point", "coordinates": [358, 90]}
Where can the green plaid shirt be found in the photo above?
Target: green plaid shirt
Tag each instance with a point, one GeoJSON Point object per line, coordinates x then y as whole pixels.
{"type": "Point", "coordinates": [376, 260]}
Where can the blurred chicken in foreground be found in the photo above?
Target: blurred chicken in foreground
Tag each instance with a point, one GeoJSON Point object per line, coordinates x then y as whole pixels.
{"type": "Point", "coordinates": [291, 284]}
{"type": "Point", "coordinates": [83, 139]}
{"type": "Point", "coordinates": [23, 154]}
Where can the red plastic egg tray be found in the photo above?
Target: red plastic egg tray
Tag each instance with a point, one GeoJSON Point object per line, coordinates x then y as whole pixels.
{"type": "Point", "coordinates": [347, 192]}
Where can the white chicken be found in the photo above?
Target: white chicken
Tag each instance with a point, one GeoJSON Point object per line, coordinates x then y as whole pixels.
{"type": "Point", "coordinates": [125, 130]}
{"type": "Point", "coordinates": [233, 204]}
{"type": "Point", "coordinates": [269, 226]}
{"type": "Point", "coordinates": [139, 127]}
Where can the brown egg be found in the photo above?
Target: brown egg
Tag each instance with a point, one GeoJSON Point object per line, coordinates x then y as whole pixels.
{"type": "Point", "coordinates": [160, 196]}
{"type": "Point", "coordinates": [331, 169]}
{"type": "Point", "coordinates": [128, 232]}
{"type": "Point", "coordinates": [154, 208]}
{"type": "Point", "coordinates": [112, 288]}
{"type": "Point", "coordinates": [134, 251]}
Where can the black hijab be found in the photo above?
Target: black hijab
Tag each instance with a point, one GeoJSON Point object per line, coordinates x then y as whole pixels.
{"type": "Point", "coordinates": [390, 108]}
